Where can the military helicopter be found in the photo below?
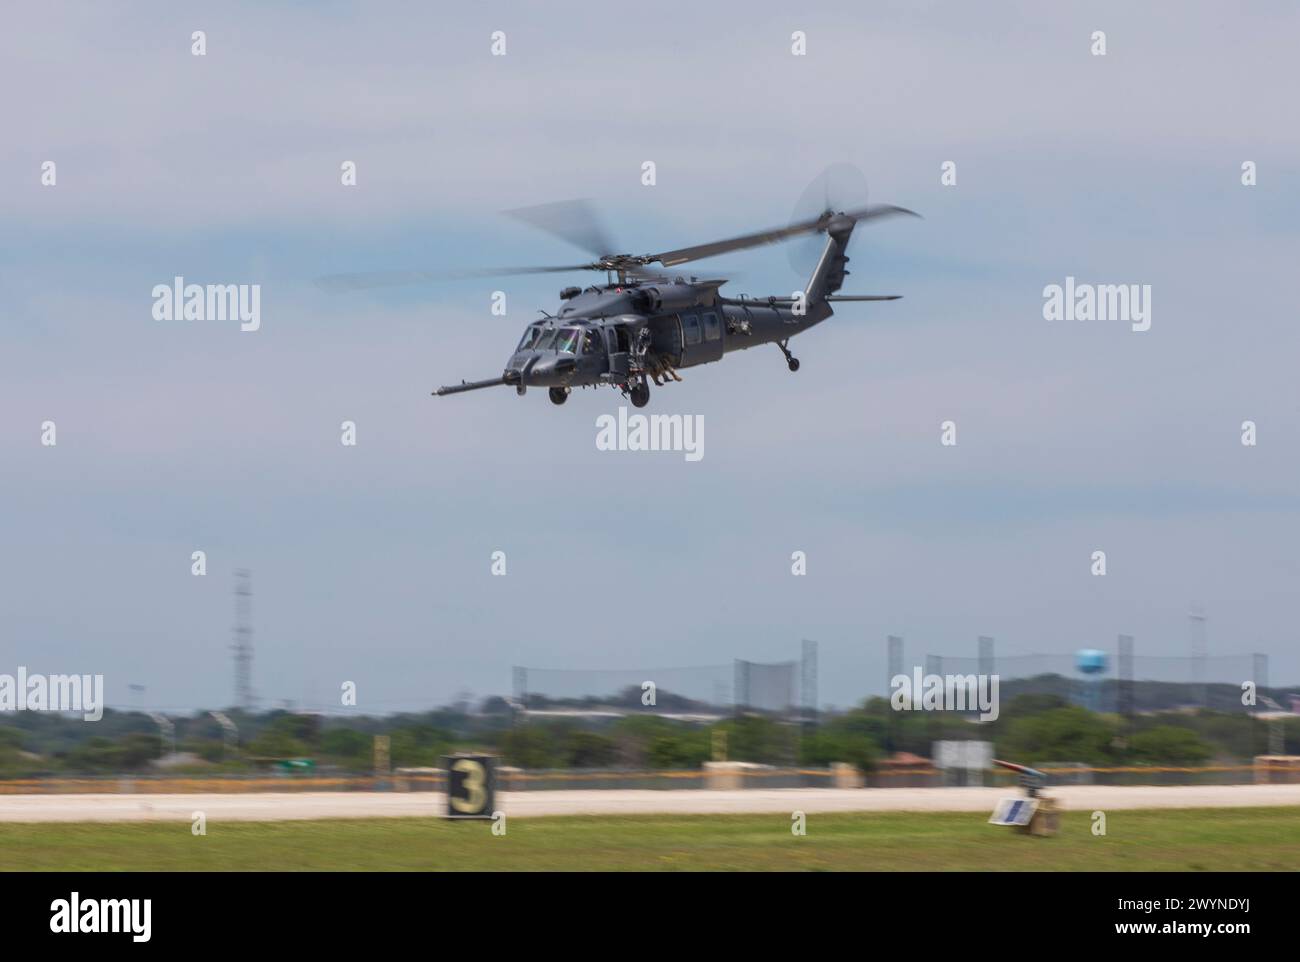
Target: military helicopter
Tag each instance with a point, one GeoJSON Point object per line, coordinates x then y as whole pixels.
{"type": "Point", "coordinates": [642, 325]}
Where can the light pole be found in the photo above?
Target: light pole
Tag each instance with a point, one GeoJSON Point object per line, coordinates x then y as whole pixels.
{"type": "Point", "coordinates": [228, 728]}
{"type": "Point", "coordinates": [1276, 734]}
{"type": "Point", "coordinates": [166, 727]}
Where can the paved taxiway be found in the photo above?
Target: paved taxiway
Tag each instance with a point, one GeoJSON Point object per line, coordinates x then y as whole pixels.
{"type": "Point", "coordinates": [283, 806]}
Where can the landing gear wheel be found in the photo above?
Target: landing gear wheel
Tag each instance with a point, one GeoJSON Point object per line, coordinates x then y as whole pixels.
{"type": "Point", "coordinates": [640, 394]}
{"type": "Point", "coordinates": [559, 395]}
{"type": "Point", "coordinates": [791, 361]}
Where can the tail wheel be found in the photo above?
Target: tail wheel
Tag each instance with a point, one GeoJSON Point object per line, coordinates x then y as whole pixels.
{"type": "Point", "coordinates": [791, 361]}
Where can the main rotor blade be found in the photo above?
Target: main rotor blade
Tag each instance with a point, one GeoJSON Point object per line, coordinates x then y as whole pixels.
{"type": "Point", "coordinates": [835, 298]}
{"type": "Point", "coordinates": [775, 235]}
{"type": "Point", "coordinates": [656, 275]}
{"type": "Point", "coordinates": [785, 301]}
{"type": "Point", "coordinates": [372, 279]}
{"type": "Point", "coordinates": [575, 221]}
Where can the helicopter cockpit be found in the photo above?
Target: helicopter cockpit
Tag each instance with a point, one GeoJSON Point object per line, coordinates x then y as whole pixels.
{"type": "Point", "coordinates": [563, 340]}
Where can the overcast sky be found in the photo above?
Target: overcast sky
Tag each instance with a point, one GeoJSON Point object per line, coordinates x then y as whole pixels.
{"type": "Point", "coordinates": [371, 563]}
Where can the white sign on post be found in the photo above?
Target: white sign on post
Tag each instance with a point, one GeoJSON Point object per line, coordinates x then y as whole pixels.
{"type": "Point", "coordinates": [1014, 811]}
{"type": "Point", "coordinates": [970, 756]}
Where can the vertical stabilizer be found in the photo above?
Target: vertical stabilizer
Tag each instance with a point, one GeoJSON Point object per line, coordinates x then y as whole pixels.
{"type": "Point", "coordinates": [828, 274]}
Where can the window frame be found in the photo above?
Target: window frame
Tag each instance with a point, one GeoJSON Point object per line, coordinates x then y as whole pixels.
{"type": "Point", "coordinates": [712, 332]}
{"type": "Point", "coordinates": [691, 323]}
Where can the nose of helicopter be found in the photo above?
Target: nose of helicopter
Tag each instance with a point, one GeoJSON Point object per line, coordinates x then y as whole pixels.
{"type": "Point", "coordinates": [519, 367]}
{"type": "Point", "coordinates": [540, 368]}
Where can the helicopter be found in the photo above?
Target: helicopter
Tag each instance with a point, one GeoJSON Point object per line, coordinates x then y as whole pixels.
{"type": "Point", "coordinates": [644, 326]}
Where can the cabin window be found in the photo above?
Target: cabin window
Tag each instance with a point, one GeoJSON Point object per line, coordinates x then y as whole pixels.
{"type": "Point", "coordinates": [691, 328]}
{"type": "Point", "coordinates": [712, 330]}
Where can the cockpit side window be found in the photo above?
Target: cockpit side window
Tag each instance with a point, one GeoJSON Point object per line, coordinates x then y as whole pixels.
{"type": "Point", "coordinates": [591, 343]}
{"type": "Point", "coordinates": [532, 334]}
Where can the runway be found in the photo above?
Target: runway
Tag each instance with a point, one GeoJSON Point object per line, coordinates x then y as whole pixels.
{"type": "Point", "coordinates": [282, 806]}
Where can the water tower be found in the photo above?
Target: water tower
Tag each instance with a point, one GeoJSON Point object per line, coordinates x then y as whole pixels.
{"type": "Point", "coordinates": [1091, 664]}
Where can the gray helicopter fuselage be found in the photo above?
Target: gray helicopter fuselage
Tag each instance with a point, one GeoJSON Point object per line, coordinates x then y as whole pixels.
{"type": "Point", "coordinates": [605, 335]}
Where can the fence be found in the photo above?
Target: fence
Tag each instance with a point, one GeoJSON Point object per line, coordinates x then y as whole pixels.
{"type": "Point", "coordinates": [785, 689]}
{"type": "Point", "coordinates": [1125, 682]}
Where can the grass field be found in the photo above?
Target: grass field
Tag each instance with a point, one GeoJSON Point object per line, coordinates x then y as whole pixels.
{"type": "Point", "coordinates": [1184, 840]}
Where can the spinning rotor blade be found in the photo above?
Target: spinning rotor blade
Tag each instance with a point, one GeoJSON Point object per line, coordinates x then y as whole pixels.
{"type": "Point", "coordinates": [838, 187]}
{"type": "Point", "coordinates": [372, 279]}
{"type": "Point", "coordinates": [776, 234]}
{"type": "Point", "coordinates": [575, 221]}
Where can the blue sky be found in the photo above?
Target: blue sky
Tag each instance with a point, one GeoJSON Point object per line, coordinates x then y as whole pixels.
{"type": "Point", "coordinates": [371, 563]}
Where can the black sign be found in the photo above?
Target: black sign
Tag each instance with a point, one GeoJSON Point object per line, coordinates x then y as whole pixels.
{"type": "Point", "coordinates": [471, 785]}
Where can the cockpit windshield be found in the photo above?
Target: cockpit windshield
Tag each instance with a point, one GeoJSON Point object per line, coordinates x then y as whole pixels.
{"type": "Point", "coordinates": [567, 341]}
{"type": "Point", "coordinates": [532, 334]}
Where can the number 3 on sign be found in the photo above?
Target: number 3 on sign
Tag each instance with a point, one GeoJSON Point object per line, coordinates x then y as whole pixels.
{"type": "Point", "coordinates": [470, 786]}
{"type": "Point", "coordinates": [474, 785]}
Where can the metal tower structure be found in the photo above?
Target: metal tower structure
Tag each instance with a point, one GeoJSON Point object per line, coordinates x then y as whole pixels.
{"type": "Point", "coordinates": [1199, 648]}
{"type": "Point", "coordinates": [985, 644]}
{"type": "Point", "coordinates": [243, 643]}
{"type": "Point", "coordinates": [894, 645]}
{"type": "Point", "coordinates": [1124, 680]}
{"type": "Point", "coordinates": [808, 680]}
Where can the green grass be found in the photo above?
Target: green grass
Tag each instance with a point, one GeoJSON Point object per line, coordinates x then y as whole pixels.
{"type": "Point", "coordinates": [1184, 840]}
